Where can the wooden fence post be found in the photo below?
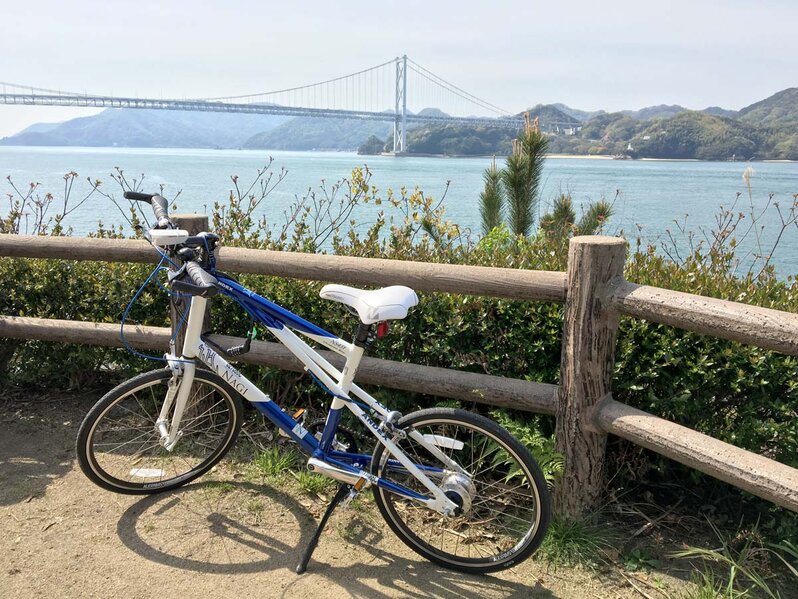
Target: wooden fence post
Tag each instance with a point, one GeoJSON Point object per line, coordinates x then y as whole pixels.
{"type": "Point", "coordinates": [194, 224]}
{"type": "Point", "coordinates": [588, 358]}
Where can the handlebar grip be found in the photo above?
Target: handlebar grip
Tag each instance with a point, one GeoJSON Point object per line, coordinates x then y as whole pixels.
{"type": "Point", "coordinates": [160, 206]}
{"type": "Point", "coordinates": [204, 282]}
{"type": "Point", "coordinates": [139, 197]}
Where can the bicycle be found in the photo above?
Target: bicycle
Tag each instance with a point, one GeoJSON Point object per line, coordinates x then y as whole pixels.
{"type": "Point", "coordinates": [454, 486]}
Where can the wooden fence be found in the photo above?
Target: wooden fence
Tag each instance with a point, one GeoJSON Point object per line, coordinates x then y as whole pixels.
{"type": "Point", "coordinates": [595, 296]}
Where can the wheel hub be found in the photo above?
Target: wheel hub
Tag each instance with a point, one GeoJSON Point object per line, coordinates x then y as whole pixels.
{"type": "Point", "coordinates": [460, 489]}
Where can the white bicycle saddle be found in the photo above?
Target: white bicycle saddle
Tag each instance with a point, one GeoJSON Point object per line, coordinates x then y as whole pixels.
{"type": "Point", "coordinates": [388, 303]}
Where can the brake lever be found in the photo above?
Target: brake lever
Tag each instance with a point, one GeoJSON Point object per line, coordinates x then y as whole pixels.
{"type": "Point", "coordinates": [176, 280]}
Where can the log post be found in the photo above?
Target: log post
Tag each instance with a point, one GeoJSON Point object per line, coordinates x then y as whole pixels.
{"type": "Point", "coordinates": [586, 367]}
{"type": "Point", "coordinates": [194, 224]}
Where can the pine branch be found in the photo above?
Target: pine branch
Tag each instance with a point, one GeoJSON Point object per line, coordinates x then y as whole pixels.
{"type": "Point", "coordinates": [559, 223]}
{"type": "Point", "coordinates": [516, 187]}
{"type": "Point", "coordinates": [491, 200]}
{"type": "Point", "coordinates": [594, 218]}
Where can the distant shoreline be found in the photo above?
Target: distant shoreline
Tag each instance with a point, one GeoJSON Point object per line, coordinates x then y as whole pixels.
{"type": "Point", "coordinates": [366, 156]}
{"type": "Point", "coordinates": [582, 157]}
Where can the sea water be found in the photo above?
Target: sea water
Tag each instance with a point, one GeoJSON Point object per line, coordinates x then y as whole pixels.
{"type": "Point", "coordinates": [651, 200]}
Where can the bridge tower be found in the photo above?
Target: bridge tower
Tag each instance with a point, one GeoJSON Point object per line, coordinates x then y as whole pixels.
{"type": "Point", "coordinates": [400, 112]}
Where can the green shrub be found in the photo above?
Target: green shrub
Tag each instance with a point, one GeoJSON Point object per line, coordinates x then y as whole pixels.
{"type": "Point", "coordinates": [530, 432]}
{"type": "Point", "coordinates": [69, 290]}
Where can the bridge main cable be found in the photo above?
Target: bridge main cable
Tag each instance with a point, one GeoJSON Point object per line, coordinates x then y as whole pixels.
{"type": "Point", "coordinates": [45, 90]}
{"type": "Point", "coordinates": [293, 89]}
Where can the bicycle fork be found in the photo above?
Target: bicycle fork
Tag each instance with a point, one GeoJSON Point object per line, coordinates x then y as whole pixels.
{"type": "Point", "coordinates": [176, 395]}
{"type": "Point", "coordinates": [183, 370]}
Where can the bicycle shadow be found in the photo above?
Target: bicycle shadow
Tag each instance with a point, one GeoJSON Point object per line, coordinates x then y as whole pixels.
{"type": "Point", "coordinates": [410, 578]}
{"type": "Point", "coordinates": [207, 527]}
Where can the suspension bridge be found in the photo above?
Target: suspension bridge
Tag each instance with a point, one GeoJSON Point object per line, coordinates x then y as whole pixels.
{"type": "Point", "coordinates": [399, 91]}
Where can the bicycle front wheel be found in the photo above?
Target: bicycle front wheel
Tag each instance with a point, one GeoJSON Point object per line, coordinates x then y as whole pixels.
{"type": "Point", "coordinates": [504, 503]}
{"type": "Point", "coordinates": [119, 445]}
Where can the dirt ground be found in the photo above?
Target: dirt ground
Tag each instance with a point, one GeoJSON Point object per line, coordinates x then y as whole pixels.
{"type": "Point", "coordinates": [223, 536]}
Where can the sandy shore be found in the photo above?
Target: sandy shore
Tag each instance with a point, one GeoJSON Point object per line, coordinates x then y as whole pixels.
{"type": "Point", "coordinates": [582, 156]}
{"type": "Point", "coordinates": [585, 157]}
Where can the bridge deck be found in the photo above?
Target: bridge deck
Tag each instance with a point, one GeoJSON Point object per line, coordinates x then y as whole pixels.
{"type": "Point", "coordinates": [273, 109]}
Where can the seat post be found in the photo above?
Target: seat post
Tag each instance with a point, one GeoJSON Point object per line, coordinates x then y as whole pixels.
{"type": "Point", "coordinates": [364, 336]}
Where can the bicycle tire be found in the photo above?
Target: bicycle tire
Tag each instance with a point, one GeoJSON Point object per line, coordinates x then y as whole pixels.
{"type": "Point", "coordinates": [494, 525]}
{"type": "Point", "coordinates": [118, 444]}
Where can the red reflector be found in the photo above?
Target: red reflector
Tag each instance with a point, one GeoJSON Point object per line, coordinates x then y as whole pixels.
{"type": "Point", "coordinates": [382, 328]}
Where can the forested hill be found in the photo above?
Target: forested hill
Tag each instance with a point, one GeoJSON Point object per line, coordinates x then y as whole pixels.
{"type": "Point", "coordinates": [459, 140]}
{"type": "Point", "coordinates": [308, 133]}
{"type": "Point", "coordinates": [148, 129]}
{"type": "Point", "coordinates": [779, 110]}
{"type": "Point", "coordinates": [764, 130]}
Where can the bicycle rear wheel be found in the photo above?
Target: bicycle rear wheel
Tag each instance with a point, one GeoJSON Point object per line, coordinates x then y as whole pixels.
{"type": "Point", "coordinates": [118, 445]}
{"type": "Point", "coordinates": [505, 505]}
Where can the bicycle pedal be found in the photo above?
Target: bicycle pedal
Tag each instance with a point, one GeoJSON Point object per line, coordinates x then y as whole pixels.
{"type": "Point", "coordinates": [346, 501]}
{"type": "Point", "coordinates": [361, 484]}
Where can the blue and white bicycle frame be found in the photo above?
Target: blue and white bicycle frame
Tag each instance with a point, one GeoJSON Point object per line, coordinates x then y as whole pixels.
{"type": "Point", "coordinates": [325, 457]}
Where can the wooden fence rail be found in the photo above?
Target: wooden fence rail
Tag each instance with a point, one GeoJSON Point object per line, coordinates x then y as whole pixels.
{"type": "Point", "coordinates": [421, 276]}
{"type": "Point", "coordinates": [756, 474]}
{"type": "Point", "coordinates": [595, 296]}
{"type": "Point", "coordinates": [443, 382]}
{"type": "Point", "coordinates": [763, 327]}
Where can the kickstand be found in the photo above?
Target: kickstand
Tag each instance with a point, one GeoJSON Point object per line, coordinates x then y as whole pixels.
{"type": "Point", "coordinates": [343, 491]}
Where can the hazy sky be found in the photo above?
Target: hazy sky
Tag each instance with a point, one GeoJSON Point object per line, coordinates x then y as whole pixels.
{"type": "Point", "coordinates": [590, 55]}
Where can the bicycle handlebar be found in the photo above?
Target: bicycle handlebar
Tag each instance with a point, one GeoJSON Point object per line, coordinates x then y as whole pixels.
{"type": "Point", "coordinates": [160, 207]}
{"type": "Point", "coordinates": [202, 282]}
{"type": "Point", "coordinates": [139, 197]}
